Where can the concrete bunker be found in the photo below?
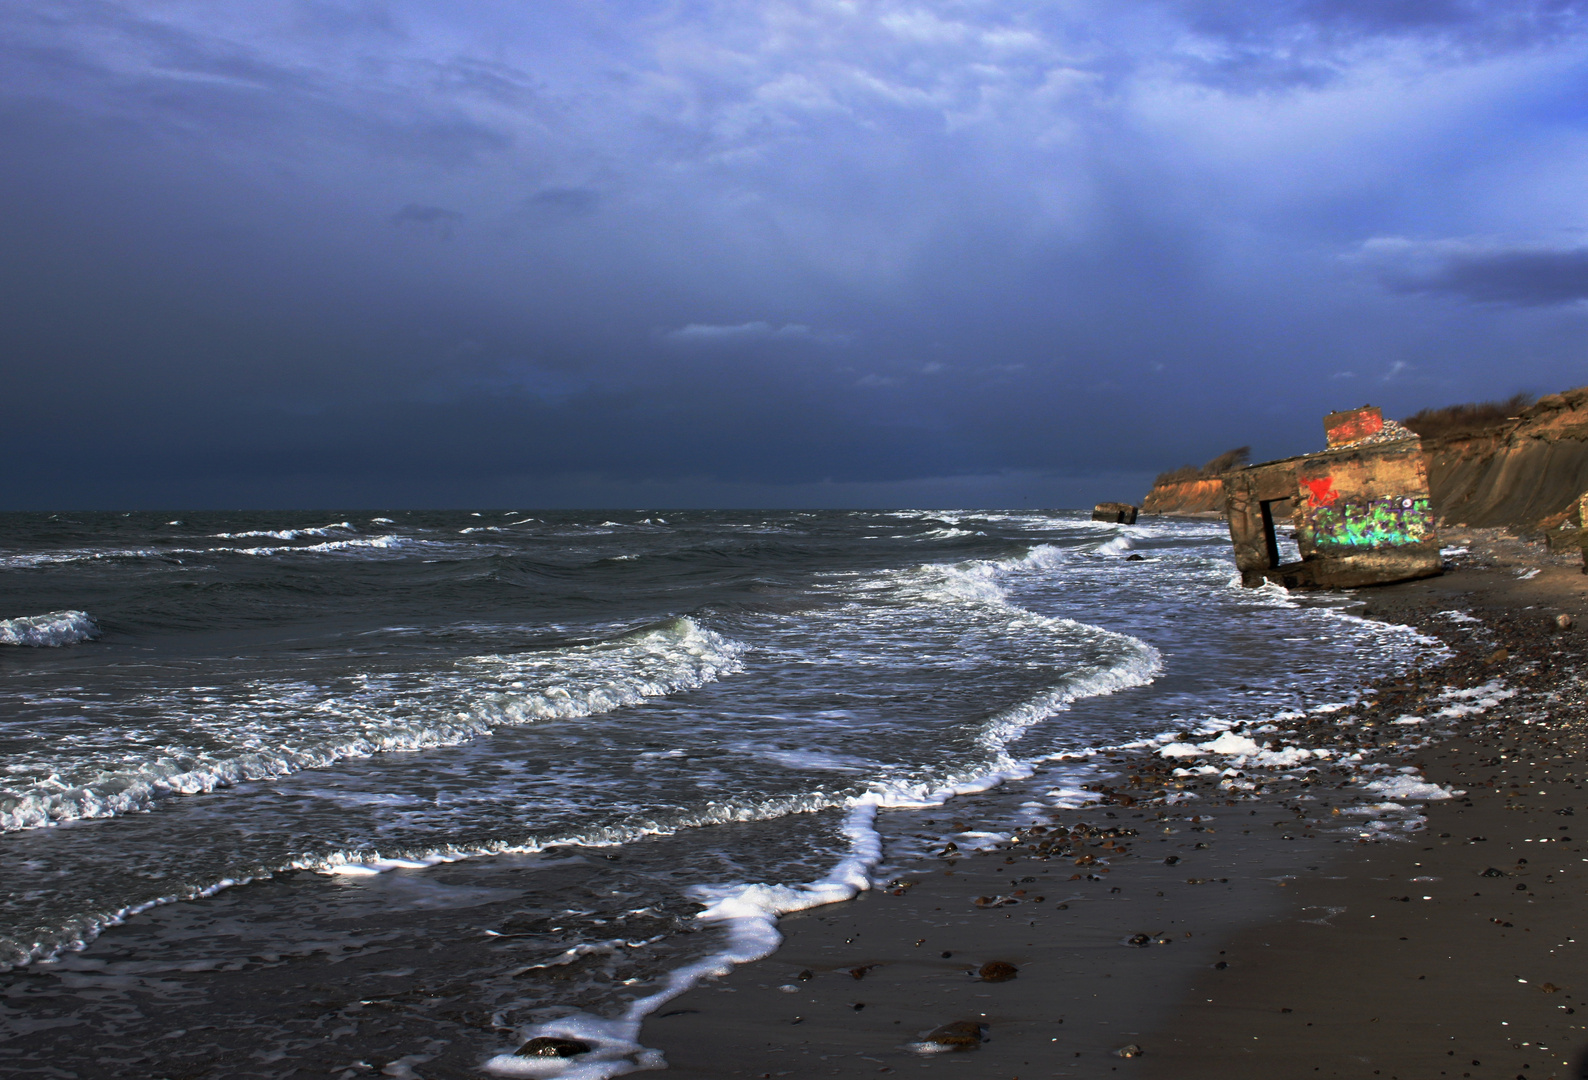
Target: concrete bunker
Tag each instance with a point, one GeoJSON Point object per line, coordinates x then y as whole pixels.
{"type": "Point", "coordinates": [1119, 513]}
{"type": "Point", "coordinates": [1360, 510]}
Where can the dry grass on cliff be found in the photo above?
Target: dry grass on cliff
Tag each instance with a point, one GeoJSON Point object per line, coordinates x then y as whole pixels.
{"type": "Point", "coordinates": [1230, 459]}
{"type": "Point", "coordinates": [1466, 419]}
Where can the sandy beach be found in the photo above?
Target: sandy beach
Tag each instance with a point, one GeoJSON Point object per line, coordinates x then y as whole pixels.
{"type": "Point", "coordinates": [1270, 931]}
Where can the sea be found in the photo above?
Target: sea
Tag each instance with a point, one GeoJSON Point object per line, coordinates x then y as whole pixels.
{"type": "Point", "coordinates": [490, 769]}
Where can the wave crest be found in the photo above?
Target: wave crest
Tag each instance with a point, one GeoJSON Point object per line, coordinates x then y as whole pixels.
{"type": "Point", "coordinates": [281, 730]}
{"type": "Point", "coordinates": [290, 534]}
{"type": "Point", "coordinates": [49, 631]}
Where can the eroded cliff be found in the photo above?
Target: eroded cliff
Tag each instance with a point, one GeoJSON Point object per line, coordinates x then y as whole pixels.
{"type": "Point", "coordinates": [1526, 472]}
{"type": "Point", "coordinates": [1193, 489]}
{"type": "Point", "coordinates": [1185, 497]}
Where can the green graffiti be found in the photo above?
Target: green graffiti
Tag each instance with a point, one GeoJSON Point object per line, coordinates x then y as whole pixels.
{"type": "Point", "coordinates": [1391, 522]}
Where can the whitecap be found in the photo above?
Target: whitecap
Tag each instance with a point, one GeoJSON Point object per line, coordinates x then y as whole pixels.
{"type": "Point", "coordinates": [296, 729]}
{"type": "Point", "coordinates": [288, 534]}
{"type": "Point", "coordinates": [48, 631]}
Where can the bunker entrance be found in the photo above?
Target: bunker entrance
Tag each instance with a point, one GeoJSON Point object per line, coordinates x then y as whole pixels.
{"type": "Point", "coordinates": [1270, 537]}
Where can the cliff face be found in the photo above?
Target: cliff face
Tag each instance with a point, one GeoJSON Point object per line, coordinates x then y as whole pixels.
{"type": "Point", "coordinates": [1185, 497]}
{"type": "Point", "coordinates": [1528, 472]}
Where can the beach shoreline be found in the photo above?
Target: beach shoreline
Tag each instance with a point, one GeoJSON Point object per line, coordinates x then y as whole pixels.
{"type": "Point", "coordinates": [1112, 883]}
{"type": "Point", "coordinates": [1271, 895]}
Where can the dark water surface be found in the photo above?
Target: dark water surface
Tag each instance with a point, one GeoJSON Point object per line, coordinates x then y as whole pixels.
{"type": "Point", "coordinates": [485, 769]}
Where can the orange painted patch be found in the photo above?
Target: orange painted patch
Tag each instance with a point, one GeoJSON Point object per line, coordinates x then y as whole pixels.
{"type": "Point", "coordinates": [1360, 426]}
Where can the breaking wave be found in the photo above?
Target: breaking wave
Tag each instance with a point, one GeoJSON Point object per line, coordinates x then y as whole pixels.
{"type": "Point", "coordinates": [48, 631]}
{"type": "Point", "coordinates": [280, 728]}
{"type": "Point", "coordinates": [288, 534]}
{"type": "Point", "coordinates": [365, 544]}
{"type": "Point", "coordinates": [749, 912]}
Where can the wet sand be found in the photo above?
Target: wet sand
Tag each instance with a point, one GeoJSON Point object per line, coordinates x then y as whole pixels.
{"type": "Point", "coordinates": [1456, 955]}
{"type": "Point", "coordinates": [1287, 938]}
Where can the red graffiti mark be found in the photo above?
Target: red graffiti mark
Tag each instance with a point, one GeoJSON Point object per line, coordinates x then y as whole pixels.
{"type": "Point", "coordinates": [1321, 492]}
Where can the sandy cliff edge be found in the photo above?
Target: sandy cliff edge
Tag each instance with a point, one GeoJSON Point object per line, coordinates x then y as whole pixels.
{"type": "Point", "coordinates": [1525, 474]}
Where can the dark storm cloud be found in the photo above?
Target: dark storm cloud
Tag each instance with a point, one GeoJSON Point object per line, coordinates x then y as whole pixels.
{"type": "Point", "coordinates": [1315, 42]}
{"type": "Point", "coordinates": [735, 250]}
{"type": "Point", "coordinates": [109, 59]}
{"type": "Point", "coordinates": [1490, 23]}
{"type": "Point", "coordinates": [1522, 277]}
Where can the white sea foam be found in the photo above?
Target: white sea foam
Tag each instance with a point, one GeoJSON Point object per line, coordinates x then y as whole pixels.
{"type": "Point", "coordinates": [951, 594]}
{"type": "Point", "coordinates": [288, 534]}
{"type": "Point", "coordinates": [56, 628]}
{"type": "Point", "coordinates": [89, 927]}
{"type": "Point", "coordinates": [355, 864]}
{"type": "Point", "coordinates": [1230, 743]}
{"type": "Point", "coordinates": [1120, 661]}
{"type": "Point", "coordinates": [288, 729]}
{"type": "Point", "coordinates": [1411, 787]}
{"type": "Point", "coordinates": [941, 534]}
{"type": "Point", "coordinates": [1487, 694]}
{"type": "Point", "coordinates": [1245, 752]}
{"type": "Point", "coordinates": [749, 912]}
{"type": "Point", "coordinates": [373, 544]}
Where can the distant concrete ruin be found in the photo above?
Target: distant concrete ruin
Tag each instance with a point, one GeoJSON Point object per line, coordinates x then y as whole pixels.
{"type": "Point", "coordinates": [1120, 513]}
{"type": "Point", "coordinates": [1360, 510]}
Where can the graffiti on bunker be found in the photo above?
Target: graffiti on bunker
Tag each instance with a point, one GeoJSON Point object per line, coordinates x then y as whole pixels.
{"type": "Point", "coordinates": [1360, 509]}
{"type": "Point", "coordinates": [1394, 521]}
{"type": "Point", "coordinates": [1321, 492]}
{"type": "Point", "coordinates": [1353, 425]}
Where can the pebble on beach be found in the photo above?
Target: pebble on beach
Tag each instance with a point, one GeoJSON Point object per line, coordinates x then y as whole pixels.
{"type": "Point", "coordinates": [958, 1035]}
{"type": "Point", "coordinates": [551, 1046]}
{"type": "Point", "coordinates": [997, 971]}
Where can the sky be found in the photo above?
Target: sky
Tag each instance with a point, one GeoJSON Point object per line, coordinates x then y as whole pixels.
{"type": "Point", "coordinates": [514, 253]}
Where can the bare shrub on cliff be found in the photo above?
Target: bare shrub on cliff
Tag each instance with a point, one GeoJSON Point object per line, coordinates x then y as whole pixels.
{"type": "Point", "coordinates": [1185, 474]}
{"type": "Point", "coordinates": [1466, 419]}
{"type": "Point", "coordinates": [1230, 459]}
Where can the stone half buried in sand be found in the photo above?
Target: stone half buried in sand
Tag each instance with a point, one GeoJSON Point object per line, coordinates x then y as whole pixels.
{"type": "Point", "coordinates": [959, 1035]}
{"type": "Point", "coordinates": [551, 1046]}
{"type": "Point", "coordinates": [1119, 513]}
{"type": "Point", "coordinates": [997, 971]}
{"type": "Point", "coordinates": [1360, 511]}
